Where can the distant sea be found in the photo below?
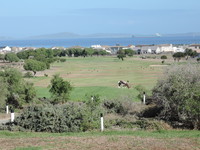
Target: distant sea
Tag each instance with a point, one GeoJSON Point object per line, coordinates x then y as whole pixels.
{"type": "Point", "coordinates": [87, 42]}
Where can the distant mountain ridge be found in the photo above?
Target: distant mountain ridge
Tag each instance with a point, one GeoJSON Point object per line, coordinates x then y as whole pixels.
{"type": "Point", "coordinates": [64, 35]}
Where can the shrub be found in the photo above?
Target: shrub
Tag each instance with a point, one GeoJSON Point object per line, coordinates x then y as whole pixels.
{"type": "Point", "coordinates": [141, 89]}
{"type": "Point", "coordinates": [51, 118]}
{"type": "Point", "coordinates": [92, 111]}
{"type": "Point", "coordinates": [62, 60]}
{"type": "Point", "coordinates": [28, 75]}
{"type": "Point", "coordinates": [163, 57]}
{"type": "Point", "coordinates": [179, 94]}
{"type": "Point", "coordinates": [59, 89]}
{"type": "Point", "coordinates": [18, 91]}
{"type": "Point", "coordinates": [123, 107]}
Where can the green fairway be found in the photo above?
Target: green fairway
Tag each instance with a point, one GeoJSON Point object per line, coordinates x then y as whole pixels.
{"type": "Point", "coordinates": [99, 75]}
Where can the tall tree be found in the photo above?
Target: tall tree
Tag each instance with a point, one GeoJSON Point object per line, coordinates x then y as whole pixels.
{"type": "Point", "coordinates": [59, 89]}
{"type": "Point", "coordinates": [178, 56]}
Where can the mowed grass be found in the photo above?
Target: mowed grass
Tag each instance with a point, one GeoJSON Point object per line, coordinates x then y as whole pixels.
{"type": "Point", "coordinates": [99, 75]}
{"type": "Point", "coordinates": [151, 140]}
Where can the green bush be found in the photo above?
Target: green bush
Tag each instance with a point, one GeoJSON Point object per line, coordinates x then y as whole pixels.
{"type": "Point", "coordinates": [52, 118]}
{"type": "Point", "coordinates": [62, 60]}
{"type": "Point", "coordinates": [92, 111]}
{"type": "Point", "coordinates": [178, 93]}
{"type": "Point", "coordinates": [28, 75]}
{"type": "Point", "coordinates": [163, 57]}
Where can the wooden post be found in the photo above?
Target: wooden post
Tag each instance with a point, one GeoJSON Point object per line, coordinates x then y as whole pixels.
{"type": "Point", "coordinates": [7, 110]}
{"type": "Point", "coordinates": [12, 115]}
{"type": "Point", "coordinates": [102, 126]}
{"type": "Point", "coordinates": [144, 98]}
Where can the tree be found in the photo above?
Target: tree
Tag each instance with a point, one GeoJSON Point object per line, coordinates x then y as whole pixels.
{"type": "Point", "coordinates": [163, 57]}
{"type": "Point", "coordinates": [178, 56]}
{"type": "Point", "coordinates": [121, 54]}
{"type": "Point", "coordinates": [59, 89]}
{"type": "Point", "coordinates": [2, 57]}
{"type": "Point", "coordinates": [198, 59]}
{"type": "Point", "coordinates": [3, 93]}
{"type": "Point", "coordinates": [90, 51]}
{"type": "Point", "coordinates": [18, 92]}
{"type": "Point", "coordinates": [34, 65]}
{"type": "Point", "coordinates": [84, 53]}
{"type": "Point", "coordinates": [129, 52]}
{"type": "Point", "coordinates": [178, 94]}
{"type": "Point", "coordinates": [11, 57]}
{"type": "Point", "coordinates": [190, 53]}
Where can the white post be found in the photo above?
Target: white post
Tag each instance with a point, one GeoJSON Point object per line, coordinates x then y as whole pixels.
{"type": "Point", "coordinates": [12, 116]}
{"type": "Point", "coordinates": [7, 109]}
{"type": "Point", "coordinates": [144, 98]}
{"type": "Point", "coordinates": [102, 126]}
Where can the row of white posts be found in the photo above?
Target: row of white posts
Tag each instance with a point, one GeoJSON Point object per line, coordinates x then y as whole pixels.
{"type": "Point", "coordinates": [12, 114]}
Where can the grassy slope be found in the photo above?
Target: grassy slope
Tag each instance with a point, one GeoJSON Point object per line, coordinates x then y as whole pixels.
{"type": "Point", "coordinates": [99, 75]}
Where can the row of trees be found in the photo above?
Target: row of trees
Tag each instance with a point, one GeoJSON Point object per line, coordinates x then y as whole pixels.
{"type": "Point", "coordinates": [188, 53]}
{"type": "Point", "coordinates": [125, 52]}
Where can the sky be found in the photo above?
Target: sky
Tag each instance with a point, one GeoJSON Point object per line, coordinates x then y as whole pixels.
{"type": "Point", "coordinates": [24, 18]}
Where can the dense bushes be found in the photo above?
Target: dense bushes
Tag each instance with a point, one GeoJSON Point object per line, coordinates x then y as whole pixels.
{"type": "Point", "coordinates": [14, 90]}
{"type": "Point", "coordinates": [178, 93]}
{"type": "Point", "coordinates": [52, 118]}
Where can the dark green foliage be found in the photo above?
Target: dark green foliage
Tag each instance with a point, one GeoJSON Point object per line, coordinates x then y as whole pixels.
{"type": "Point", "coordinates": [11, 57]}
{"type": "Point", "coordinates": [2, 57]}
{"type": "Point", "coordinates": [129, 52]}
{"type": "Point", "coordinates": [92, 111]}
{"type": "Point", "coordinates": [59, 89]}
{"type": "Point", "coordinates": [178, 56]}
{"type": "Point", "coordinates": [163, 57]}
{"type": "Point", "coordinates": [121, 56]}
{"type": "Point", "coordinates": [190, 53]}
{"type": "Point", "coordinates": [18, 92]}
{"type": "Point", "coordinates": [198, 59]}
{"type": "Point", "coordinates": [141, 89]}
{"type": "Point", "coordinates": [114, 106]}
{"type": "Point", "coordinates": [3, 92]}
{"type": "Point", "coordinates": [28, 75]}
{"type": "Point", "coordinates": [178, 93]}
{"type": "Point", "coordinates": [52, 118]}
{"type": "Point", "coordinates": [34, 65]}
{"type": "Point", "coordinates": [62, 60]}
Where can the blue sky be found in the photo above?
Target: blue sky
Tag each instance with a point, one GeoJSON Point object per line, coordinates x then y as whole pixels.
{"type": "Point", "coordinates": [23, 18]}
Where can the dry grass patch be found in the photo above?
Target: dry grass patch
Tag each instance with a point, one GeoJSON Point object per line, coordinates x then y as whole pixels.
{"type": "Point", "coordinates": [101, 142]}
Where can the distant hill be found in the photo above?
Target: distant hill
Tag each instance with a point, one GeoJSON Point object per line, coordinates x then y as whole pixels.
{"type": "Point", "coordinates": [64, 35]}
{"type": "Point", "coordinates": [6, 38]}
{"type": "Point", "coordinates": [182, 34]}
{"type": "Point", "coordinates": [61, 35]}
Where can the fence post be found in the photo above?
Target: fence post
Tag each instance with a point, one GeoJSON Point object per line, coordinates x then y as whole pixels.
{"type": "Point", "coordinates": [102, 126]}
{"type": "Point", "coordinates": [144, 98]}
{"type": "Point", "coordinates": [12, 115]}
{"type": "Point", "coordinates": [7, 110]}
